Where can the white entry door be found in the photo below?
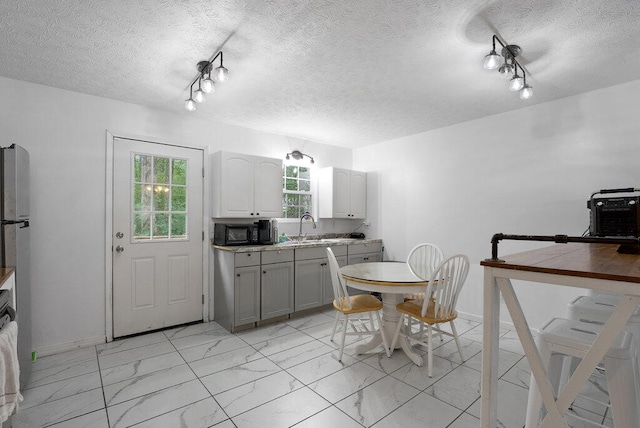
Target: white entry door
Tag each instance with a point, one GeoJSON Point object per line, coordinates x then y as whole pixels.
{"type": "Point", "coordinates": [157, 236]}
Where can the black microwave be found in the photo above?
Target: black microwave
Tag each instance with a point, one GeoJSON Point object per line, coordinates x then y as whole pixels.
{"type": "Point", "coordinates": [242, 234]}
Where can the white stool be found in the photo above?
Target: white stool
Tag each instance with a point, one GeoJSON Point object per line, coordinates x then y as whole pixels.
{"type": "Point", "coordinates": [561, 338]}
{"type": "Point", "coordinates": [598, 308]}
{"type": "Point", "coordinates": [606, 294]}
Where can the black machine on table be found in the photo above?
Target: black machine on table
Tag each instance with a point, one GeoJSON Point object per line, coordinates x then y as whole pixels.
{"type": "Point", "coordinates": [614, 215]}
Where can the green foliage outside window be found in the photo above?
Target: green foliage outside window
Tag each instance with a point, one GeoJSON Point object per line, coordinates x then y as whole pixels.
{"type": "Point", "coordinates": [296, 191]}
{"type": "Point", "coordinates": [159, 197]}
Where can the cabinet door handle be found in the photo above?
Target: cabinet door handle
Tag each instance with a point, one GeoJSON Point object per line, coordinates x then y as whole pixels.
{"type": "Point", "coordinates": [238, 275]}
{"type": "Point", "coordinates": [264, 271]}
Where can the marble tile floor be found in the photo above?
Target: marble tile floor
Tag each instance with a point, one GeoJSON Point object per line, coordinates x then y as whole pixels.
{"type": "Point", "coordinates": [279, 375]}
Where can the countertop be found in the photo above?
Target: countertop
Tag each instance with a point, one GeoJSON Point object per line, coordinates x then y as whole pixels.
{"type": "Point", "coordinates": [5, 273]}
{"type": "Point", "coordinates": [292, 245]}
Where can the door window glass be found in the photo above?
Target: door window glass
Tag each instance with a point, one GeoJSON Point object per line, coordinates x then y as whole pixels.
{"type": "Point", "coordinates": [159, 198]}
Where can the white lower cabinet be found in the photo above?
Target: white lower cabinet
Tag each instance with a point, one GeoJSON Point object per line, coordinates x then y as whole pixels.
{"type": "Point", "coordinates": [236, 290]}
{"type": "Point", "coordinates": [365, 253]}
{"type": "Point", "coordinates": [252, 286]}
{"type": "Point", "coordinates": [246, 292]}
{"type": "Point", "coordinates": [312, 278]}
{"type": "Point", "coordinates": [276, 291]}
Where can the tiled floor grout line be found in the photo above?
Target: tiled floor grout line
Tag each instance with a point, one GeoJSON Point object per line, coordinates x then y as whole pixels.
{"type": "Point", "coordinates": [334, 404]}
{"type": "Point", "coordinates": [419, 391]}
{"type": "Point", "coordinates": [199, 380]}
{"type": "Point", "coordinates": [304, 385]}
{"type": "Point", "coordinates": [104, 398]}
{"type": "Point", "coordinates": [301, 358]}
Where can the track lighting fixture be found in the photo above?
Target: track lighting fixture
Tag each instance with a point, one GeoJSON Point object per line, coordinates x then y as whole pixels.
{"type": "Point", "coordinates": [509, 67]}
{"type": "Point", "coordinates": [206, 85]}
{"type": "Point", "coordinates": [297, 155]}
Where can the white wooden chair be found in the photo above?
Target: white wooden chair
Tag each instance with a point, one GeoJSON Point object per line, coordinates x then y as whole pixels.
{"type": "Point", "coordinates": [444, 287]}
{"type": "Point", "coordinates": [346, 305]}
{"type": "Point", "coordinates": [422, 260]}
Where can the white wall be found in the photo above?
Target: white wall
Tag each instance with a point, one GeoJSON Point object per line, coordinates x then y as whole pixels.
{"type": "Point", "coordinates": [529, 171]}
{"type": "Point", "coordinates": [64, 133]}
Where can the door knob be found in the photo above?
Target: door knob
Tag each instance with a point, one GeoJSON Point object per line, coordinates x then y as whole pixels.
{"type": "Point", "coordinates": [119, 235]}
{"type": "Point", "coordinates": [119, 249]}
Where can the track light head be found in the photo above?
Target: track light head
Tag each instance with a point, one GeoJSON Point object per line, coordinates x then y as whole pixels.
{"type": "Point", "coordinates": [509, 67]}
{"type": "Point", "coordinates": [492, 60]}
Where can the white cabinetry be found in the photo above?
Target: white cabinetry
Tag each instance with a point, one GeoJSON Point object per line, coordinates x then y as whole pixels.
{"type": "Point", "coordinates": [342, 193]}
{"type": "Point", "coordinates": [312, 276]}
{"type": "Point", "coordinates": [253, 286]}
{"type": "Point", "coordinates": [245, 186]}
{"type": "Point", "coordinates": [365, 253]}
{"type": "Point", "coordinates": [236, 291]}
{"type": "Point", "coordinates": [276, 291]}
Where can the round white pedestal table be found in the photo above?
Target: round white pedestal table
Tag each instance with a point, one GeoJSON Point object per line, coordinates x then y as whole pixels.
{"type": "Point", "coordinates": [393, 280]}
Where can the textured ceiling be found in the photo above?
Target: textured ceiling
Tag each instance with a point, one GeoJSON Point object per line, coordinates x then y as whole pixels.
{"type": "Point", "coordinates": [342, 72]}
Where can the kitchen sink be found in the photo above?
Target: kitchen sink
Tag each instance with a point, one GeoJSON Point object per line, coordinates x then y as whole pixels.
{"type": "Point", "coordinates": [338, 240]}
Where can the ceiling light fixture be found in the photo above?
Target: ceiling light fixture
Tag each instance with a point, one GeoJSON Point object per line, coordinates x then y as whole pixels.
{"type": "Point", "coordinates": [297, 155]}
{"type": "Point", "coordinates": [206, 84]}
{"type": "Point", "coordinates": [190, 104]}
{"type": "Point", "coordinates": [508, 67]}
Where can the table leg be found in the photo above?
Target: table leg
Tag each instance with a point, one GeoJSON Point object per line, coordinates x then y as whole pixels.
{"type": "Point", "coordinates": [490, 334]}
{"type": "Point", "coordinates": [390, 317]}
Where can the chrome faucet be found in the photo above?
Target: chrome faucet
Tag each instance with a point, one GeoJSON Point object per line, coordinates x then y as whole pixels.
{"type": "Point", "coordinates": [305, 215]}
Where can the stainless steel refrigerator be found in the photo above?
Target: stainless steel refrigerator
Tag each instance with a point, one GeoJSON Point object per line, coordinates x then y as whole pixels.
{"type": "Point", "coordinates": [14, 242]}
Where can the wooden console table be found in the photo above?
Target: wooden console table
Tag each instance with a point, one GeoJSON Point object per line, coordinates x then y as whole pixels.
{"type": "Point", "coordinates": [594, 266]}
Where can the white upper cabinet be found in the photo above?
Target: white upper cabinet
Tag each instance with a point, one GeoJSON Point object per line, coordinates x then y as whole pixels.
{"type": "Point", "coordinates": [342, 193]}
{"type": "Point", "coordinates": [245, 186]}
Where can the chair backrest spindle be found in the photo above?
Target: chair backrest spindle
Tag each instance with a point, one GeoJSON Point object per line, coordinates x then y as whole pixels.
{"type": "Point", "coordinates": [340, 293]}
{"type": "Point", "coordinates": [445, 285]}
{"type": "Point", "coordinates": [423, 259]}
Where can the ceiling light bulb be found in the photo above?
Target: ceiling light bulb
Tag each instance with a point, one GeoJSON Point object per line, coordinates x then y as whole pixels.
{"type": "Point", "coordinates": [505, 69]}
{"type": "Point", "coordinates": [526, 92]}
{"type": "Point", "coordinates": [208, 85]}
{"type": "Point", "coordinates": [221, 74]}
{"type": "Point", "coordinates": [492, 61]}
{"type": "Point", "coordinates": [190, 105]}
{"type": "Point", "coordinates": [198, 96]}
{"type": "Point", "coordinates": [516, 83]}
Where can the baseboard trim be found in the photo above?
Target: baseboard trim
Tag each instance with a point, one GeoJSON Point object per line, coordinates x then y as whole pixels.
{"type": "Point", "coordinates": [69, 346]}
